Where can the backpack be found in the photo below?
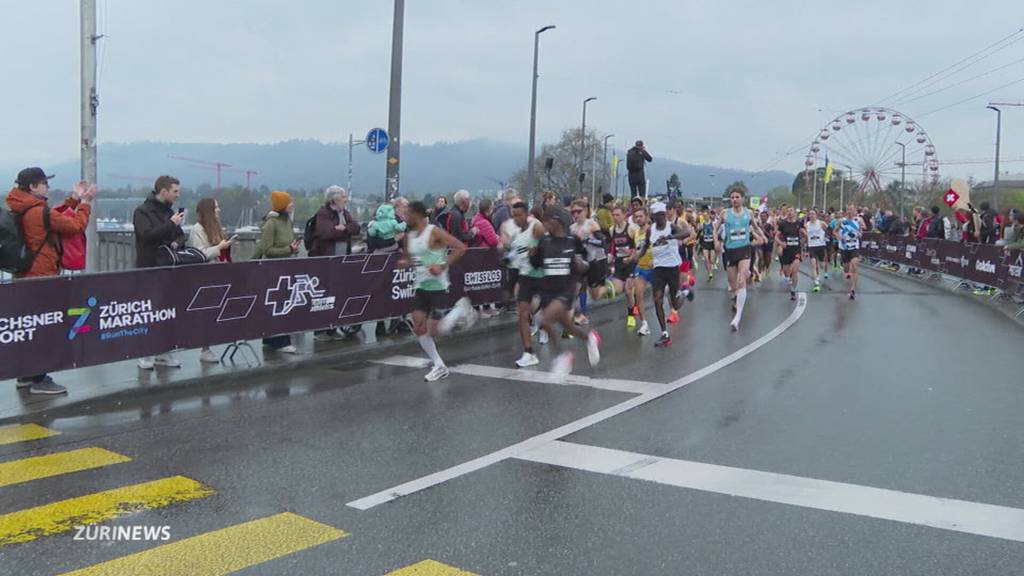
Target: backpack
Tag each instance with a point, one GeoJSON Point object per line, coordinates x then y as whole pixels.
{"type": "Point", "coordinates": [937, 228]}
{"type": "Point", "coordinates": [988, 226]}
{"type": "Point", "coordinates": [309, 233]}
{"type": "Point", "coordinates": [15, 255]}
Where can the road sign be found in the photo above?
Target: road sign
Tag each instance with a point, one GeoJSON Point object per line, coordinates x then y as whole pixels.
{"type": "Point", "coordinates": [377, 140]}
{"type": "Point", "coordinates": [755, 202]}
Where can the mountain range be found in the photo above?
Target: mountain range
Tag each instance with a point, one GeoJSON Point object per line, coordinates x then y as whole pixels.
{"type": "Point", "coordinates": [476, 165]}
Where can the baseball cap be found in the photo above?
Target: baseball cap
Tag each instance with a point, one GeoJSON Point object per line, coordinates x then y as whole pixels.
{"type": "Point", "coordinates": [32, 175]}
{"type": "Point", "coordinates": [657, 207]}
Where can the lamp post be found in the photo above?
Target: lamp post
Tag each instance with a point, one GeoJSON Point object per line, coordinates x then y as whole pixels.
{"type": "Point", "coordinates": [903, 174]}
{"type": "Point", "coordinates": [995, 182]}
{"type": "Point", "coordinates": [395, 102]}
{"type": "Point", "coordinates": [583, 142]}
{"type": "Point", "coordinates": [533, 114]}
{"type": "Point", "coordinates": [604, 166]}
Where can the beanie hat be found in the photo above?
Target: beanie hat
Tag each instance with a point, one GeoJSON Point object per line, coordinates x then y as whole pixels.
{"type": "Point", "coordinates": [279, 200]}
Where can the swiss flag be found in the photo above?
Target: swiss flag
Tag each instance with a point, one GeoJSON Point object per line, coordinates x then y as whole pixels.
{"type": "Point", "coordinates": [951, 197]}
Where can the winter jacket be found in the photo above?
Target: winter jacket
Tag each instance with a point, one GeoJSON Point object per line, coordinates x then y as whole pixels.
{"type": "Point", "coordinates": [635, 160]}
{"type": "Point", "coordinates": [153, 229]}
{"type": "Point", "coordinates": [502, 212]}
{"type": "Point", "coordinates": [485, 237]}
{"type": "Point", "coordinates": [278, 235]}
{"type": "Point", "coordinates": [47, 262]}
{"type": "Point", "coordinates": [327, 236]}
{"type": "Point", "coordinates": [385, 224]}
{"type": "Point", "coordinates": [197, 239]}
{"type": "Point", "coordinates": [453, 221]}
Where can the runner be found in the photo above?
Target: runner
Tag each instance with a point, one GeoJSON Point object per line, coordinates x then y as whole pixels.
{"type": "Point", "coordinates": [427, 248]}
{"type": "Point", "coordinates": [738, 225]}
{"type": "Point", "coordinates": [623, 246]}
{"type": "Point", "coordinates": [686, 279]}
{"type": "Point", "coordinates": [663, 242]}
{"type": "Point", "coordinates": [528, 278]}
{"type": "Point", "coordinates": [817, 237]}
{"type": "Point", "coordinates": [792, 237]}
{"type": "Point", "coordinates": [562, 257]}
{"type": "Point", "coordinates": [767, 252]}
{"type": "Point", "coordinates": [848, 233]}
{"type": "Point", "coordinates": [593, 238]}
{"type": "Point", "coordinates": [642, 273]}
{"type": "Point", "coordinates": [707, 241]}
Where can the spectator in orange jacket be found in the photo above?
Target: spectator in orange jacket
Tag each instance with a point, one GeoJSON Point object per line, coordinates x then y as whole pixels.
{"type": "Point", "coordinates": [28, 202]}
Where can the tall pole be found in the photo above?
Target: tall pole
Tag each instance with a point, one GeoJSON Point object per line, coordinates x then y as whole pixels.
{"type": "Point", "coordinates": [395, 103]}
{"type": "Point", "coordinates": [842, 181]}
{"type": "Point", "coordinates": [995, 180]}
{"type": "Point", "coordinates": [530, 169]}
{"type": "Point", "coordinates": [583, 140]}
{"type": "Point", "coordinates": [903, 174]}
{"type": "Point", "coordinates": [350, 140]}
{"type": "Point", "coordinates": [593, 177]}
{"type": "Point", "coordinates": [89, 103]}
{"type": "Point", "coordinates": [605, 168]}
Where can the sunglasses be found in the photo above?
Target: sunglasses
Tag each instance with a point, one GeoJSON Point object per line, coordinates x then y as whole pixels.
{"type": "Point", "coordinates": [577, 211]}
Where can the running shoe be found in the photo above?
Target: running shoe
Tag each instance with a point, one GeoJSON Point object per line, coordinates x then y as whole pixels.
{"type": "Point", "coordinates": [542, 337]}
{"type": "Point", "coordinates": [566, 335]}
{"type": "Point", "coordinates": [689, 295]}
{"type": "Point", "coordinates": [436, 373]}
{"type": "Point", "coordinates": [562, 365]}
{"type": "Point", "coordinates": [610, 286]}
{"type": "Point", "coordinates": [734, 325]}
{"type": "Point", "coordinates": [816, 289]}
{"type": "Point", "coordinates": [663, 342]}
{"type": "Point", "coordinates": [711, 276]}
{"type": "Point", "coordinates": [594, 347]}
{"type": "Point", "coordinates": [469, 315]}
{"type": "Point", "coordinates": [636, 310]}
{"type": "Point", "coordinates": [630, 321]}
{"type": "Point", "coordinates": [673, 317]}
{"type": "Point", "coordinates": [792, 296]}
{"type": "Point", "coordinates": [534, 329]}
{"type": "Point", "coordinates": [582, 320]}
{"type": "Point", "coordinates": [527, 360]}
{"type": "Point", "coordinates": [853, 295]}
{"type": "Point", "coordinates": [826, 275]}
{"type": "Point", "coordinates": [644, 330]}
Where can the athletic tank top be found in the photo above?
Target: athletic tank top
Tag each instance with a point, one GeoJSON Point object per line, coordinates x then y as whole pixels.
{"type": "Point", "coordinates": [737, 229]}
{"type": "Point", "coordinates": [640, 240]}
{"type": "Point", "coordinates": [849, 235]}
{"type": "Point", "coordinates": [790, 232]}
{"type": "Point", "coordinates": [423, 256]}
{"type": "Point", "coordinates": [519, 251]}
{"type": "Point", "coordinates": [708, 232]}
{"type": "Point", "coordinates": [815, 234]}
{"type": "Point", "coordinates": [594, 251]}
{"type": "Point", "coordinates": [666, 255]}
{"type": "Point", "coordinates": [622, 242]}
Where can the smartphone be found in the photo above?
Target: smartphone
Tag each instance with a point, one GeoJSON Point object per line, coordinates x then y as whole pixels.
{"type": "Point", "coordinates": [233, 238]}
{"type": "Point", "coordinates": [181, 210]}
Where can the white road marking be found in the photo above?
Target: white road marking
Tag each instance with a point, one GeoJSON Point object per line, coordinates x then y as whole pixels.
{"type": "Point", "coordinates": [945, 513]}
{"type": "Point", "coordinates": [530, 375]}
{"type": "Point", "coordinates": [442, 476]}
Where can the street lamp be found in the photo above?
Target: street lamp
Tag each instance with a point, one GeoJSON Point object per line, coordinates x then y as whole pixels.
{"type": "Point", "coordinates": [583, 141]}
{"type": "Point", "coordinates": [903, 174]}
{"type": "Point", "coordinates": [995, 183]}
{"type": "Point", "coordinates": [533, 114]}
{"type": "Point", "coordinates": [604, 166]}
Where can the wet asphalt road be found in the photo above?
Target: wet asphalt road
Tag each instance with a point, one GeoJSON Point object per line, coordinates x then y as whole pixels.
{"type": "Point", "coordinates": [908, 389]}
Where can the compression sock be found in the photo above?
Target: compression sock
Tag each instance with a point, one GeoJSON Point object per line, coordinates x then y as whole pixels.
{"type": "Point", "coordinates": [428, 345]}
{"type": "Point", "coordinates": [741, 299]}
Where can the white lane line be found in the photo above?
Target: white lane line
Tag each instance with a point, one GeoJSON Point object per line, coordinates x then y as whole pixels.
{"type": "Point", "coordinates": [944, 513]}
{"type": "Point", "coordinates": [442, 476]}
{"type": "Point", "coordinates": [529, 375]}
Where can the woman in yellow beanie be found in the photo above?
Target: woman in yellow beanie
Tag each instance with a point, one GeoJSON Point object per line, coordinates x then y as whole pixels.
{"type": "Point", "coordinates": [278, 241]}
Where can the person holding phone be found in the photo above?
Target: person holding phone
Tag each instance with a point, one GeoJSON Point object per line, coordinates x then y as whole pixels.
{"type": "Point", "coordinates": [278, 241]}
{"type": "Point", "coordinates": [207, 236]}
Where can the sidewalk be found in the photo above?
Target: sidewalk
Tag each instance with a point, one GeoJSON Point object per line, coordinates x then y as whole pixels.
{"type": "Point", "coordinates": [121, 381]}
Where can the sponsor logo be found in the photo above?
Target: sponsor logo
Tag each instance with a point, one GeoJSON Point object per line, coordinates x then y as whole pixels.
{"type": "Point", "coordinates": [14, 329]}
{"type": "Point", "coordinates": [298, 291]}
{"type": "Point", "coordinates": [403, 283]}
{"type": "Point", "coordinates": [122, 533]}
{"type": "Point", "coordinates": [80, 326]}
{"type": "Point", "coordinates": [985, 266]}
{"type": "Point", "coordinates": [132, 318]}
{"type": "Point", "coordinates": [1015, 268]}
{"type": "Point", "coordinates": [482, 277]}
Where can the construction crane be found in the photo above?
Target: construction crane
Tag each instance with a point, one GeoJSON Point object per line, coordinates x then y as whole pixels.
{"type": "Point", "coordinates": [219, 166]}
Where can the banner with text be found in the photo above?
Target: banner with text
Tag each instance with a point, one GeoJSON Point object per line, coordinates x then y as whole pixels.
{"type": "Point", "coordinates": [981, 263]}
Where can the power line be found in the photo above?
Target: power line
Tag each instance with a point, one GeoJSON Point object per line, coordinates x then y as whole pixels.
{"type": "Point", "coordinates": [976, 96]}
{"type": "Point", "coordinates": [960, 83]}
{"type": "Point", "coordinates": [955, 64]}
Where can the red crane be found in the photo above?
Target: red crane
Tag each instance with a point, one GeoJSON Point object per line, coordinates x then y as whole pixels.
{"type": "Point", "coordinates": [216, 165]}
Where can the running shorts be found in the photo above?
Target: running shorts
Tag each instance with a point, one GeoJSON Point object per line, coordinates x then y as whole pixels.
{"type": "Point", "coordinates": [819, 253]}
{"type": "Point", "coordinates": [789, 255]}
{"type": "Point", "coordinates": [528, 288]}
{"type": "Point", "coordinates": [644, 274]}
{"type": "Point", "coordinates": [707, 246]}
{"type": "Point", "coordinates": [685, 266]}
{"type": "Point", "coordinates": [733, 256]}
{"type": "Point", "coordinates": [597, 273]}
{"type": "Point", "coordinates": [547, 298]}
{"type": "Point", "coordinates": [767, 247]}
{"type": "Point", "coordinates": [624, 270]}
{"type": "Point", "coordinates": [849, 255]}
{"type": "Point", "coordinates": [665, 277]}
{"type": "Point", "coordinates": [430, 301]}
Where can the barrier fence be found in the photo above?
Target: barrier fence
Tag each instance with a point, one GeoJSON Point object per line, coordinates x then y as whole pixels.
{"type": "Point", "coordinates": [979, 263]}
{"type": "Point", "coordinates": [51, 324]}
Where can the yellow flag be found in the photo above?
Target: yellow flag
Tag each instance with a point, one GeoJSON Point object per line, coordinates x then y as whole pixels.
{"type": "Point", "coordinates": [615, 165]}
{"type": "Point", "coordinates": [828, 170]}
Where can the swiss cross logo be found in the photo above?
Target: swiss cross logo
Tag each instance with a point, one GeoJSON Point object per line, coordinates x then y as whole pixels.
{"type": "Point", "coordinates": [951, 198]}
{"type": "Point", "coordinates": [297, 291]}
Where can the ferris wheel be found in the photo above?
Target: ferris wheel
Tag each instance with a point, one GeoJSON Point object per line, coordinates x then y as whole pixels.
{"type": "Point", "coordinates": [871, 143]}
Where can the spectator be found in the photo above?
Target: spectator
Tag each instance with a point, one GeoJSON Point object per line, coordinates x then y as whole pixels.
{"type": "Point", "coordinates": [381, 232]}
{"type": "Point", "coordinates": [1015, 232]}
{"type": "Point", "coordinates": [401, 205]}
{"type": "Point", "coordinates": [989, 229]}
{"type": "Point", "coordinates": [440, 207]}
{"type": "Point", "coordinates": [503, 209]}
{"type": "Point", "coordinates": [922, 220]}
{"type": "Point", "coordinates": [550, 200]}
{"type": "Point", "coordinates": [41, 230]}
{"type": "Point", "coordinates": [278, 241]}
{"type": "Point", "coordinates": [207, 235]}
{"type": "Point", "coordinates": [885, 222]}
{"type": "Point", "coordinates": [486, 237]}
{"type": "Point", "coordinates": [972, 227]}
{"type": "Point", "coordinates": [335, 228]}
{"type": "Point", "coordinates": [604, 212]}
{"type": "Point", "coordinates": [937, 225]}
{"type": "Point", "coordinates": [156, 225]}
{"type": "Point", "coordinates": [453, 220]}
{"type": "Point", "coordinates": [636, 158]}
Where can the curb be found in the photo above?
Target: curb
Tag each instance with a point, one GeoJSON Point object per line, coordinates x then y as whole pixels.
{"type": "Point", "coordinates": [241, 374]}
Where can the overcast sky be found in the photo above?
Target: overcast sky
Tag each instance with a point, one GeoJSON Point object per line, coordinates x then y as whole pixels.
{"type": "Point", "coordinates": [728, 83]}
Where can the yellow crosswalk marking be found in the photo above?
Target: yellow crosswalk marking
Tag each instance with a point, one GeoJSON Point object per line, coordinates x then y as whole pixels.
{"type": "Point", "coordinates": [23, 433]}
{"type": "Point", "coordinates": [222, 551]}
{"type": "Point", "coordinates": [57, 517]}
{"type": "Point", "coordinates": [429, 568]}
{"type": "Point", "coordinates": [27, 469]}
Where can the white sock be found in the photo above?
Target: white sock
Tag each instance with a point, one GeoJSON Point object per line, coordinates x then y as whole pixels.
{"type": "Point", "coordinates": [741, 299]}
{"type": "Point", "coordinates": [428, 345]}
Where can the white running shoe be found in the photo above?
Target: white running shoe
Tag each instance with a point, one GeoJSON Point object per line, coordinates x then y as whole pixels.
{"type": "Point", "coordinates": [644, 329]}
{"type": "Point", "coordinates": [209, 357]}
{"type": "Point", "coordinates": [289, 349]}
{"type": "Point", "coordinates": [562, 366]}
{"type": "Point", "coordinates": [735, 325]}
{"type": "Point", "coordinates": [451, 319]}
{"type": "Point", "coordinates": [469, 315]}
{"type": "Point", "coordinates": [527, 360]}
{"type": "Point", "coordinates": [146, 363]}
{"type": "Point", "coordinates": [594, 347]}
{"type": "Point", "coordinates": [436, 373]}
{"type": "Point", "coordinates": [167, 360]}
{"type": "Point", "coordinates": [542, 337]}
